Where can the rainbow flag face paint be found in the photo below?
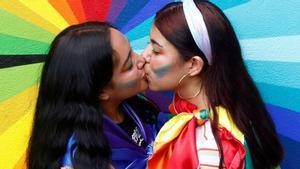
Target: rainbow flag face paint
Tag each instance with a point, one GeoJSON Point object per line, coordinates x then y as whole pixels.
{"type": "Point", "coordinates": [128, 85]}
{"type": "Point", "coordinates": [162, 71]}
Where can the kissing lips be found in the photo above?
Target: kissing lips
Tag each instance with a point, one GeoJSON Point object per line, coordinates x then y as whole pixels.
{"type": "Point", "coordinates": [146, 77]}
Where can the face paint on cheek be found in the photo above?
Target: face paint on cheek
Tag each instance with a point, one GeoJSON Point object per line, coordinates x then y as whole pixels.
{"type": "Point", "coordinates": [128, 85]}
{"type": "Point", "coordinates": [162, 71]}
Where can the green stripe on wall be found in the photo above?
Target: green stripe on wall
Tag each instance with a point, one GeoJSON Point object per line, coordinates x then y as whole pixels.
{"type": "Point", "coordinates": [11, 45]}
{"type": "Point", "coordinates": [13, 25]}
{"type": "Point", "coordinates": [16, 79]}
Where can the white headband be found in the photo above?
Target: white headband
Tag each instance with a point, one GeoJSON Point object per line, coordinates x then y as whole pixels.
{"type": "Point", "coordinates": [197, 27]}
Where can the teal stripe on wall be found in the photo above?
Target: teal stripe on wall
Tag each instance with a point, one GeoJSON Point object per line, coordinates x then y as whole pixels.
{"type": "Point", "coordinates": [228, 4]}
{"type": "Point", "coordinates": [284, 49]}
{"type": "Point", "coordinates": [266, 18]}
{"type": "Point", "coordinates": [276, 73]}
{"type": "Point", "coordinates": [285, 97]}
{"type": "Point", "coordinates": [140, 31]}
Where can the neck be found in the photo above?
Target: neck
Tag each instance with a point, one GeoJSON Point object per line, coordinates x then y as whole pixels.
{"type": "Point", "coordinates": [200, 101]}
{"type": "Point", "coordinates": [190, 88]}
{"type": "Point", "coordinates": [112, 109]}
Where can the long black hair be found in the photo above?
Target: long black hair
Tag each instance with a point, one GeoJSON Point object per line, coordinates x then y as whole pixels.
{"type": "Point", "coordinates": [78, 66]}
{"type": "Point", "coordinates": [226, 81]}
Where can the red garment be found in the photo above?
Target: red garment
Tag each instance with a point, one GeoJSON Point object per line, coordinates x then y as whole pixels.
{"type": "Point", "coordinates": [184, 151]}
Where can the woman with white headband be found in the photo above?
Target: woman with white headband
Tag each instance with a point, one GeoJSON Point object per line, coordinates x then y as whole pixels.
{"type": "Point", "coordinates": [220, 119]}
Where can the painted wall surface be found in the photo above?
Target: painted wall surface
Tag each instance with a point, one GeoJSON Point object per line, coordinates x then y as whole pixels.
{"type": "Point", "coordinates": [268, 30]}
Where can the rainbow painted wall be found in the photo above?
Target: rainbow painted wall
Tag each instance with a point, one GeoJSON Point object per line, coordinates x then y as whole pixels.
{"type": "Point", "coordinates": [268, 30]}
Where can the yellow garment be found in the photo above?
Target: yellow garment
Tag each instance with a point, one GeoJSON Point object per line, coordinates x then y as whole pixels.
{"type": "Point", "coordinates": [226, 121]}
{"type": "Point", "coordinates": [172, 129]}
{"type": "Point", "coordinates": [174, 126]}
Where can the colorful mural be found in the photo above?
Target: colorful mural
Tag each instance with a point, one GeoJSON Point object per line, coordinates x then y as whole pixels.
{"type": "Point", "coordinates": [268, 30]}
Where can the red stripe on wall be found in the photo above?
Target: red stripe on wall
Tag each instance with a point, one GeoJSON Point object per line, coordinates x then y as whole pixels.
{"type": "Point", "coordinates": [96, 10]}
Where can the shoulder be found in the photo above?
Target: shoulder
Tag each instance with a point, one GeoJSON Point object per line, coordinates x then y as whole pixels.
{"type": "Point", "coordinates": [144, 108]}
{"type": "Point", "coordinates": [66, 162]}
{"type": "Point", "coordinates": [66, 167]}
{"type": "Point", "coordinates": [226, 121]}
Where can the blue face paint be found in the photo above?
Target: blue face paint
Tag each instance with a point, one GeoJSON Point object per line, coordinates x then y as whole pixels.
{"type": "Point", "coordinates": [128, 85]}
{"type": "Point", "coordinates": [160, 72]}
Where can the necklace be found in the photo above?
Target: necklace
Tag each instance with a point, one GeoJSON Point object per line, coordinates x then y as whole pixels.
{"type": "Point", "coordinates": [202, 114]}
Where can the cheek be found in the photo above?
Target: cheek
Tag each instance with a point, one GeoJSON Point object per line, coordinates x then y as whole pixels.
{"type": "Point", "coordinates": [161, 65]}
{"type": "Point", "coordinates": [128, 80]}
{"type": "Point", "coordinates": [127, 85]}
{"type": "Point", "coordinates": [165, 66]}
{"type": "Point", "coordinates": [163, 70]}
{"type": "Point", "coordinates": [166, 71]}
{"type": "Point", "coordinates": [164, 84]}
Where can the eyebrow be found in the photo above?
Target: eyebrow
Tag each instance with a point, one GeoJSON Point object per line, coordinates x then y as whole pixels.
{"type": "Point", "coordinates": [156, 43]}
{"type": "Point", "coordinates": [127, 59]}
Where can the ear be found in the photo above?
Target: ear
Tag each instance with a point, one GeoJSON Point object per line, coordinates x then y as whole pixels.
{"type": "Point", "coordinates": [104, 95]}
{"type": "Point", "coordinates": [195, 65]}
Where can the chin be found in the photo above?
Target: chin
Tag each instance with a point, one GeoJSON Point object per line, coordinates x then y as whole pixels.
{"type": "Point", "coordinates": [154, 88]}
{"type": "Point", "coordinates": [159, 88]}
{"type": "Point", "coordinates": [143, 85]}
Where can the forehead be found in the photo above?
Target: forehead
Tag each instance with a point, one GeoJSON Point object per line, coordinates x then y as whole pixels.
{"type": "Point", "coordinates": [120, 45]}
{"type": "Point", "coordinates": [158, 37]}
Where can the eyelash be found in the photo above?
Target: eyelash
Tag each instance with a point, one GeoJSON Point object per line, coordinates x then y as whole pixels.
{"type": "Point", "coordinates": [129, 66]}
{"type": "Point", "coordinates": [155, 52]}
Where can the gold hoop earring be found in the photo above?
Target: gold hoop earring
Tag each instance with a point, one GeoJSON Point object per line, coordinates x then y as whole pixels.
{"type": "Point", "coordinates": [178, 89]}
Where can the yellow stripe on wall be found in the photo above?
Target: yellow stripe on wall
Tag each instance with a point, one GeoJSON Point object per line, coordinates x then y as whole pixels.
{"type": "Point", "coordinates": [20, 10]}
{"type": "Point", "coordinates": [21, 164]}
{"type": "Point", "coordinates": [16, 107]}
{"type": "Point", "coordinates": [13, 142]}
{"type": "Point", "coordinates": [16, 121]}
{"type": "Point", "coordinates": [45, 10]}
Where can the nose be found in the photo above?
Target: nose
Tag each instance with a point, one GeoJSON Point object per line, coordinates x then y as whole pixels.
{"type": "Point", "coordinates": [139, 66]}
{"type": "Point", "coordinates": [147, 69]}
{"type": "Point", "coordinates": [139, 63]}
{"type": "Point", "coordinates": [146, 54]}
{"type": "Point", "coordinates": [144, 58]}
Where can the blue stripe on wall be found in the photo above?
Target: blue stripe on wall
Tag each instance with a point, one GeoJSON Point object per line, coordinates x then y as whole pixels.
{"type": "Point", "coordinates": [132, 7]}
{"type": "Point", "coordinates": [292, 153]}
{"type": "Point", "coordinates": [150, 9]}
{"type": "Point", "coordinates": [287, 122]}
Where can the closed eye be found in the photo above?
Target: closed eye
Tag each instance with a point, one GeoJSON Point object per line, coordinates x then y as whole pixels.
{"type": "Point", "coordinates": [128, 63]}
{"type": "Point", "coordinates": [155, 52]}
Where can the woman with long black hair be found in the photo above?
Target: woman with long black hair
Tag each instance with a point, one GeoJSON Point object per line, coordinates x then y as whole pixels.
{"type": "Point", "coordinates": [221, 120]}
{"type": "Point", "coordinates": [88, 114]}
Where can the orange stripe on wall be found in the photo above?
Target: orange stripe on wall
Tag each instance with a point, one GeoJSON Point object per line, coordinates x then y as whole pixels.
{"type": "Point", "coordinates": [21, 163]}
{"type": "Point", "coordinates": [77, 8]}
{"type": "Point", "coordinates": [65, 10]}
